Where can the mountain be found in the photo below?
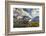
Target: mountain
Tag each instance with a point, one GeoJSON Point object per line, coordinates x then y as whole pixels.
{"type": "Point", "coordinates": [36, 19]}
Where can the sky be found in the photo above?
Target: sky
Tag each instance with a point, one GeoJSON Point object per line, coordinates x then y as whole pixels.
{"type": "Point", "coordinates": [30, 12]}
{"type": "Point", "coordinates": [33, 12]}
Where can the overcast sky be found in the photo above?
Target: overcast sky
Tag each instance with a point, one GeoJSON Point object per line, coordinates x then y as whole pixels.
{"type": "Point", "coordinates": [31, 12]}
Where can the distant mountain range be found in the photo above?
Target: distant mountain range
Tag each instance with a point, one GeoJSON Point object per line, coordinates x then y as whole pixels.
{"type": "Point", "coordinates": [36, 19]}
